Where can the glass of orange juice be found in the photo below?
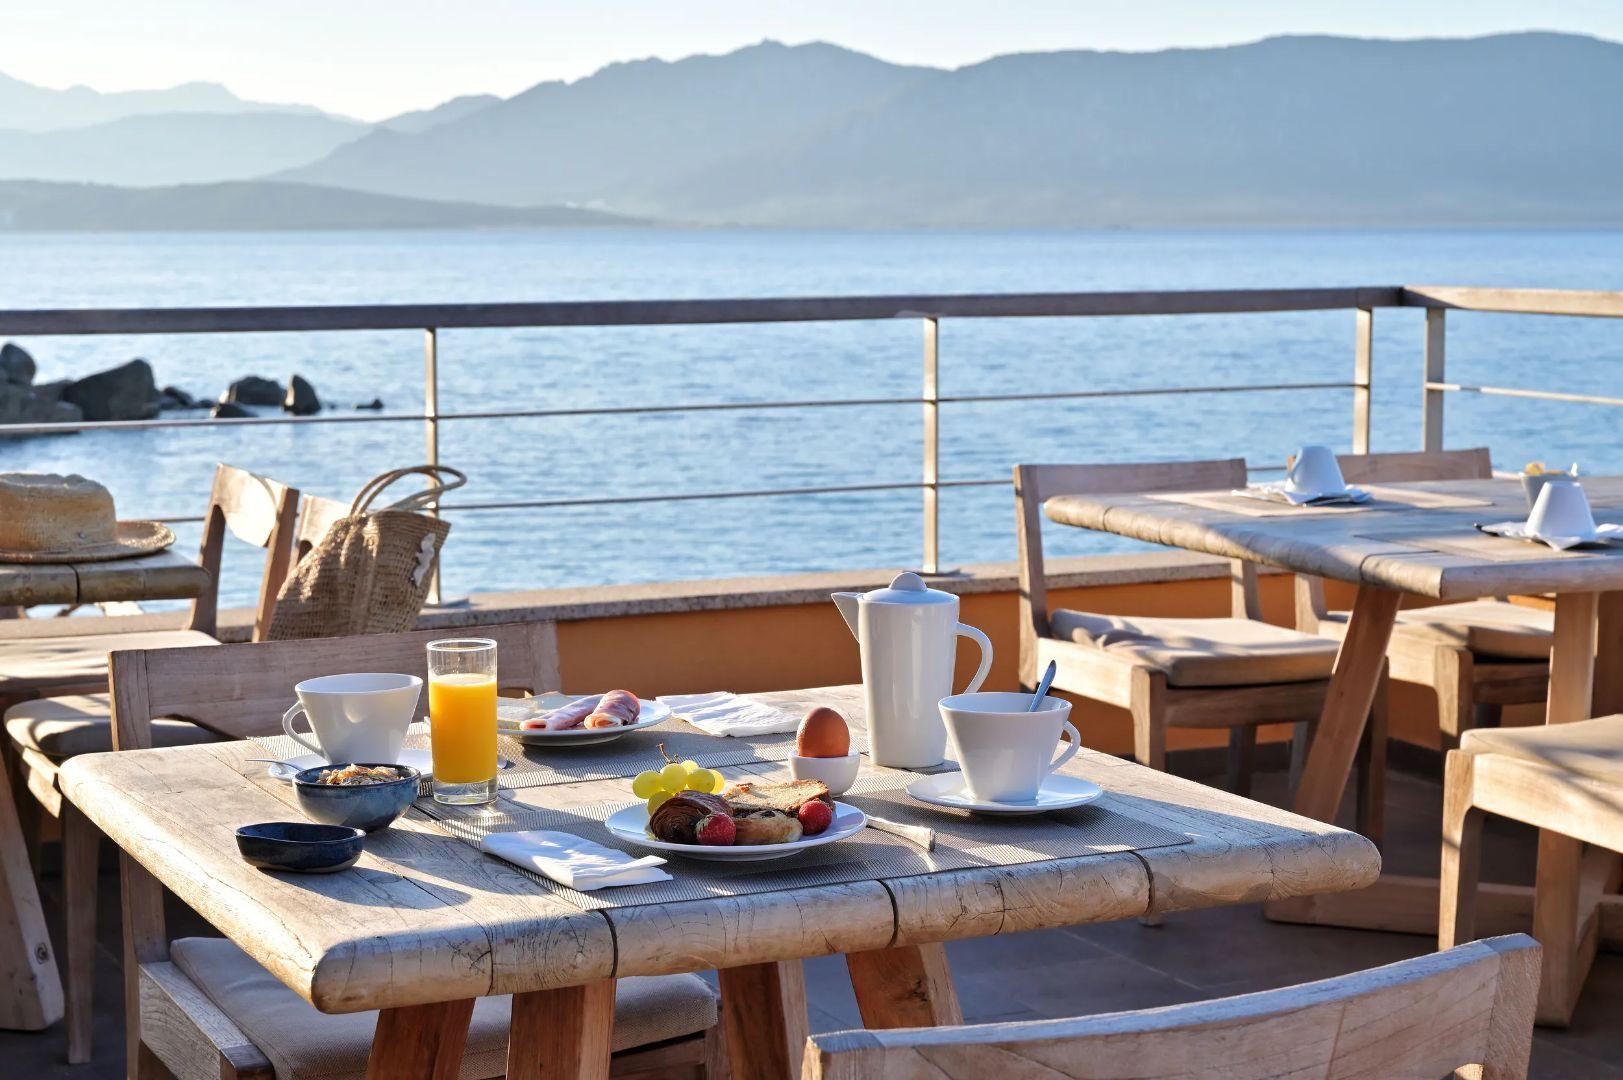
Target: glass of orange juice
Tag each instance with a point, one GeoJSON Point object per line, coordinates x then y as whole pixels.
{"type": "Point", "coordinates": [462, 719]}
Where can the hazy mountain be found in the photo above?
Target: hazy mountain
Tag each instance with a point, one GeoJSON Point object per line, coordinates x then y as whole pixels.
{"type": "Point", "coordinates": [423, 119]}
{"type": "Point", "coordinates": [1511, 128]}
{"type": "Point", "coordinates": [259, 205]}
{"type": "Point", "coordinates": [174, 148]}
{"type": "Point", "coordinates": [26, 107]}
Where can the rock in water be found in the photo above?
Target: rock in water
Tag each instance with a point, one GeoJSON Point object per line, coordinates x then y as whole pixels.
{"type": "Point", "coordinates": [375, 403]}
{"type": "Point", "coordinates": [173, 397]}
{"type": "Point", "coordinates": [126, 392]}
{"type": "Point", "coordinates": [228, 410]}
{"type": "Point", "coordinates": [16, 366]}
{"type": "Point", "coordinates": [301, 397]}
{"type": "Point", "coordinates": [32, 405]}
{"type": "Point", "coordinates": [253, 390]}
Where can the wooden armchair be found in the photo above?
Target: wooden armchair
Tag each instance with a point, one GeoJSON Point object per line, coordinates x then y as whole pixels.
{"type": "Point", "coordinates": [201, 1006]}
{"type": "Point", "coordinates": [1477, 656]}
{"type": "Point", "coordinates": [1464, 1012]}
{"type": "Point", "coordinates": [1235, 672]}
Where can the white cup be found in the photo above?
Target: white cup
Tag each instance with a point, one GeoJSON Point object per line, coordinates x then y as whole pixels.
{"type": "Point", "coordinates": [360, 717]}
{"type": "Point", "coordinates": [1315, 472]}
{"type": "Point", "coordinates": [1006, 752]}
{"type": "Point", "coordinates": [1562, 509]}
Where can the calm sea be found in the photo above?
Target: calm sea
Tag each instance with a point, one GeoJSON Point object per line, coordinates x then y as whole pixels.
{"type": "Point", "coordinates": [166, 472]}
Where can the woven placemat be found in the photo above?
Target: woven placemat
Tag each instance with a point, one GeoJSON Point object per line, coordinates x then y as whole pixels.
{"type": "Point", "coordinates": [962, 840]}
{"type": "Point", "coordinates": [1385, 498]}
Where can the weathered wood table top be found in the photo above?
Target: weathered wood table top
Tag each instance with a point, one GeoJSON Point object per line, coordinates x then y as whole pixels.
{"type": "Point", "coordinates": [426, 917]}
{"type": "Point", "coordinates": [1424, 549]}
{"type": "Point", "coordinates": [163, 576]}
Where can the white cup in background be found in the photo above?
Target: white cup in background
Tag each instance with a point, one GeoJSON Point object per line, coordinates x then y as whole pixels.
{"type": "Point", "coordinates": [1562, 509]}
{"type": "Point", "coordinates": [1004, 751]}
{"type": "Point", "coordinates": [1315, 472]}
{"type": "Point", "coordinates": [361, 717]}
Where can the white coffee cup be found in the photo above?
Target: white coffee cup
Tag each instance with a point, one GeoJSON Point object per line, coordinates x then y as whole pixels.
{"type": "Point", "coordinates": [361, 717]}
{"type": "Point", "coordinates": [1006, 752]}
{"type": "Point", "coordinates": [1562, 509]}
{"type": "Point", "coordinates": [1315, 472]}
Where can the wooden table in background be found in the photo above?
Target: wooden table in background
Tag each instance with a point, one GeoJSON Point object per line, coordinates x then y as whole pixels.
{"type": "Point", "coordinates": [1432, 552]}
{"type": "Point", "coordinates": [164, 576]}
{"type": "Point", "coordinates": [426, 919]}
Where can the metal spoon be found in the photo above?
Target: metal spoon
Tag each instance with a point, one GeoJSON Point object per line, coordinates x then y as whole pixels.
{"type": "Point", "coordinates": [1042, 687]}
{"type": "Point", "coordinates": [277, 763]}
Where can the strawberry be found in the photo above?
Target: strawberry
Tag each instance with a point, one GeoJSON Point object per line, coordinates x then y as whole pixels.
{"type": "Point", "coordinates": [716, 830]}
{"type": "Point", "coordinates": [815, 816]}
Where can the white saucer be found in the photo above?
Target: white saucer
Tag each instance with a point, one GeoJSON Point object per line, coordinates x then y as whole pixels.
{"type": "Point", "coordinates": [1058, 793]}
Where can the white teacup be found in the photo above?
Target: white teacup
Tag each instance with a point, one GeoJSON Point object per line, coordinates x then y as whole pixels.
{"type": "Point", "coordinates": [360, 717]}
{"type": "Point", "coordinates": [1562, 509]}
{"type": "Point", "coordinates": [1006, 752]}
{"type": "Point", "coordinates": [1315, 472]}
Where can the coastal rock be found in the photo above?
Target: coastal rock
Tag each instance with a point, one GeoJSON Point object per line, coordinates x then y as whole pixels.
{"type": "Point", "coordinates": [228, 410]}
{"type": "Point", "coordinates": [253, 390]}
{"type": "Point", "coordinates": [126, 392]}
{"type": "Point", "coordinates": [173, 397]}
{"type": "Point", "coordinates": [52, 391]}
{"type": "Point", "coordinates": [301, 399]}
{"type": "Point", "coordinates": [374, 404]}
{"type": "Point", "coordinates": [27, 405]}
{"type": "Point", "coordinates": [16, 366]}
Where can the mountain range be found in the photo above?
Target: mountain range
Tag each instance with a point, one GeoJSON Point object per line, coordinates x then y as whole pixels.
{"type": "Point", "coordinates": [1507, 129]}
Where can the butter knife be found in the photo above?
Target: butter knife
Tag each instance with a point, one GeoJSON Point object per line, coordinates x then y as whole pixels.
{"type": "Point", "coordinates": [921, 835]}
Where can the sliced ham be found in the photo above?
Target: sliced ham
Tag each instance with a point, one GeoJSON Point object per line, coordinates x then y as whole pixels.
{"type": "Point", "coordinates": [619, 708]}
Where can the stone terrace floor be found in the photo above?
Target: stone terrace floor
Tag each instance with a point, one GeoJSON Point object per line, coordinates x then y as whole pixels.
{"type": "Point", "coordinates": [1086, 969]}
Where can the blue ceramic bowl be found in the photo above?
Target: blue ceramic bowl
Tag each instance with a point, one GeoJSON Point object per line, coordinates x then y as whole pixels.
{"type": "Point", "coordinates": [300, 846]}
{"type": "Point", "coordinates": [368, 807]}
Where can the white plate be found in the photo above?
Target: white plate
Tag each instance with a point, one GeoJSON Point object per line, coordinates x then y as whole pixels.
{"type": "Point", "coordinates": [631, 824]}
{"type": "Point", "coordinates": [651, 713]}
{"type": "Point", "coordinates": [420, 759]}
{"type": "Point", "coordinates": [1058, 793]}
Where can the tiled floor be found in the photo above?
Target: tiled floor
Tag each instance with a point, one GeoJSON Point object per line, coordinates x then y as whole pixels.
{"type": "Point", "coordinates": [1087, 969]}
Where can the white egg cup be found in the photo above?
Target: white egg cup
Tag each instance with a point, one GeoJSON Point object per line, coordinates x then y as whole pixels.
{"type": "Point", "coordinates": [839, 773]}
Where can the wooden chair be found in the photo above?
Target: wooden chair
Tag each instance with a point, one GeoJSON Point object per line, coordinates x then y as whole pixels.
{"type": "Point", "coordinates": [202, 1006]}
{"type": "Point", "coordinates": [1477, 656]}
{"type": "Point", "coordinates": [1235, 673]}
{"type": "Point", "coordinates": [1566, 779]}
{"type": "Point", "coordinates": [1464, 1012]}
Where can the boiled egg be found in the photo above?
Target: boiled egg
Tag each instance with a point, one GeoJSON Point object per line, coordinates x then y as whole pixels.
{"type": "Point", "coordinates": [823, 733]}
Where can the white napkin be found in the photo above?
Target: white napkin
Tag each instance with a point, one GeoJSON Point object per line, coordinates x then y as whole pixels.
{"type": "Point", "coordinates": [1280, 491]}
{"type": "Point", "coordinates": [722, 713]}
{"type": "Point", "coordinates": [573, 861]}
{"type": "Point", "coordinates": [1517, 530]}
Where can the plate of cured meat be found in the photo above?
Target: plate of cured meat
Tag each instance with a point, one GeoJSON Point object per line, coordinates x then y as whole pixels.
{"type": "Point", "coordinates": [578, 719]}
{"type": "Point", "coordinates": [747, 822]}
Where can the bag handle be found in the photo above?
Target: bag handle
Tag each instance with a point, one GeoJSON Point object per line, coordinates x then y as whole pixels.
{"type": "Point", "coordinates": [438, 485]}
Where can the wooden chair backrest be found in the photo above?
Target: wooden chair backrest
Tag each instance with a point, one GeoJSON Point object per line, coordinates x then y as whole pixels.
{"type": "Point", "coordinates": [1468, 1006]}
{"type": "Point", "coordinates": [240, 691]}
{"type": "Point", "coordinates": [316, 516]}
{"type": "Point", "coordinates": [259, 511]}
{"type": "Point", "coordinates": [1036, 484]}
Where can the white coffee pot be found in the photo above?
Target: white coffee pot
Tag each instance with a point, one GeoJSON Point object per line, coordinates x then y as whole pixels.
{"type": "Point", "coordinates": [908, 635]}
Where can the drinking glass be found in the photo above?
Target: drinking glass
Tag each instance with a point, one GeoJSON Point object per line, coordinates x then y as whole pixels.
{"type": "Point", "coordinates": [462, 719]}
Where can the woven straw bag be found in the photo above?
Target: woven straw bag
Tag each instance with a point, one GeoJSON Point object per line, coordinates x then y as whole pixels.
{"type": "Point", "coordinates": [371, 572]}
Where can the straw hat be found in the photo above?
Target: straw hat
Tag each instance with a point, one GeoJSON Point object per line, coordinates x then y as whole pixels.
{"type": "Point", "coordinates": [48, 518]}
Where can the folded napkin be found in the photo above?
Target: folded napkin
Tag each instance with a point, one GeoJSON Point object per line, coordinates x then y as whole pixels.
{"type": "Point", "coordinates": [722, 713]}
{"type": "Point", "coordinates": [1517, 530]}
{"type": "Point", "coordinates": [1280, 491]}
{"type": "Point", "coordinates": [573, 861]}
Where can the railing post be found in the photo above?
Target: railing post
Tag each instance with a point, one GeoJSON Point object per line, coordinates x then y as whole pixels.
{"type": "Point", "coordinates": [932, 448]}
{"type": "Point", "coordinates": [431, 429]}
{"type": "Point", "coordinates": [1431, 422]}
{"type": "Point", "coordinates": [1363, 370]}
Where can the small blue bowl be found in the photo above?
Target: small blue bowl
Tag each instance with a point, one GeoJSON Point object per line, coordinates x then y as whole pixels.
{"type": "Point", "coordinates": [368, 807]}
{"type": "Point", "coordinates": [300, 846]}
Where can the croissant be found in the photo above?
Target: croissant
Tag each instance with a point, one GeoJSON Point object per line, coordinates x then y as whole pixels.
{"type": "Point", "coordinates": [677, 818]}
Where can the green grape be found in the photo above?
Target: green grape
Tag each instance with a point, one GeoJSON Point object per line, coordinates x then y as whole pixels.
{"type": "Point", "coordinates": [702, 780]}
{"type": "Point", "coordinates": [691, 766]}
{"type": "Point", "coordinates": [657, 799]}
{"type": "Point", "coordinates": [646, 784]}
{"type": "Point", "coordinates": [674, 776]}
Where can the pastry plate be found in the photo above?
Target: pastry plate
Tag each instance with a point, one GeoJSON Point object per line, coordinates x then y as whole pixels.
{"type": "Point", "coordinates": [1058, 793]}
{"type": "Point", "coordinates": [631, 824]}
{"type": "Point", "coordinates": [651, 713]}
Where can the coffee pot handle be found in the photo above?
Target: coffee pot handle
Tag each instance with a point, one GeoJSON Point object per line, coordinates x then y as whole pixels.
{"type": "Point", "coordinates": [287, 728]}
{"type": "Point", "coordinates": [986, 655]}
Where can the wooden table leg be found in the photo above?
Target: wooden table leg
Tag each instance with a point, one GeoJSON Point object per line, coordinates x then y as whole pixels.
{"type": "Point", "coordinates": [565, 1033]}
{"type": "Point", "coordinates": [907, 986]}
{"type": "Point", "coordinates": [1609, 643]}
{"type": "Point", "coordinates": [763, 1015]}
{"type": "Point", "coordinates": [420, 1041]}
{"type": "Point", "coordinates": [30, 987]}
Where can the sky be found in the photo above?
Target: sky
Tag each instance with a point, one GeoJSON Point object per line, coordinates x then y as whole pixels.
{"type": "Point", "coordinates": [374, 58]}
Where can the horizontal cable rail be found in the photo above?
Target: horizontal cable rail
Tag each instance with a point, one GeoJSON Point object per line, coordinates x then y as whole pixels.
{"type": "Point", "coordinates": [1510, 391]}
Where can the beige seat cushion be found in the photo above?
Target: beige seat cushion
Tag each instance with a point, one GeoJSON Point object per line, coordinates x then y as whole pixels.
{"type": "Point", "coordinates": [1204, 652]}
{"type": "Point", "coordinates": [62, 727]}
{"type": "Point", "coordinates": [299, 1041]}
{"type": "Point", "coordinates": [1592, 748]}
{"type": "Point", "coordinates": [1489, 628]}
{"type": "Point", "coordinates": [41, 665]}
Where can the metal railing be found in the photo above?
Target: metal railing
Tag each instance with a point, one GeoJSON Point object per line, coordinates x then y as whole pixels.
{"type": "Point", "coordinates": [929, 309]}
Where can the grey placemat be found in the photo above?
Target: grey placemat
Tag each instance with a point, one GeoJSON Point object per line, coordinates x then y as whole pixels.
{"type": "Point", "coordinates": [1385, 498]}
{"type": "Point", "coordinates": [962, 840]}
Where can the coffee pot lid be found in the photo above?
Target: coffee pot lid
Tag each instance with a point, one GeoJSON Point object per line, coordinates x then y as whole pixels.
{"type": "Point", "coordinates": [908, 588]}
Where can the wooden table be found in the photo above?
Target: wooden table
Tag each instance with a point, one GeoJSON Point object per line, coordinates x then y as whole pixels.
{"type": "Point", "coordinates": [1434, 552]}
{"type": "Point", "coordinates": [426, 919]}
{"type": "Point", "coordinates": [163, 576]}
